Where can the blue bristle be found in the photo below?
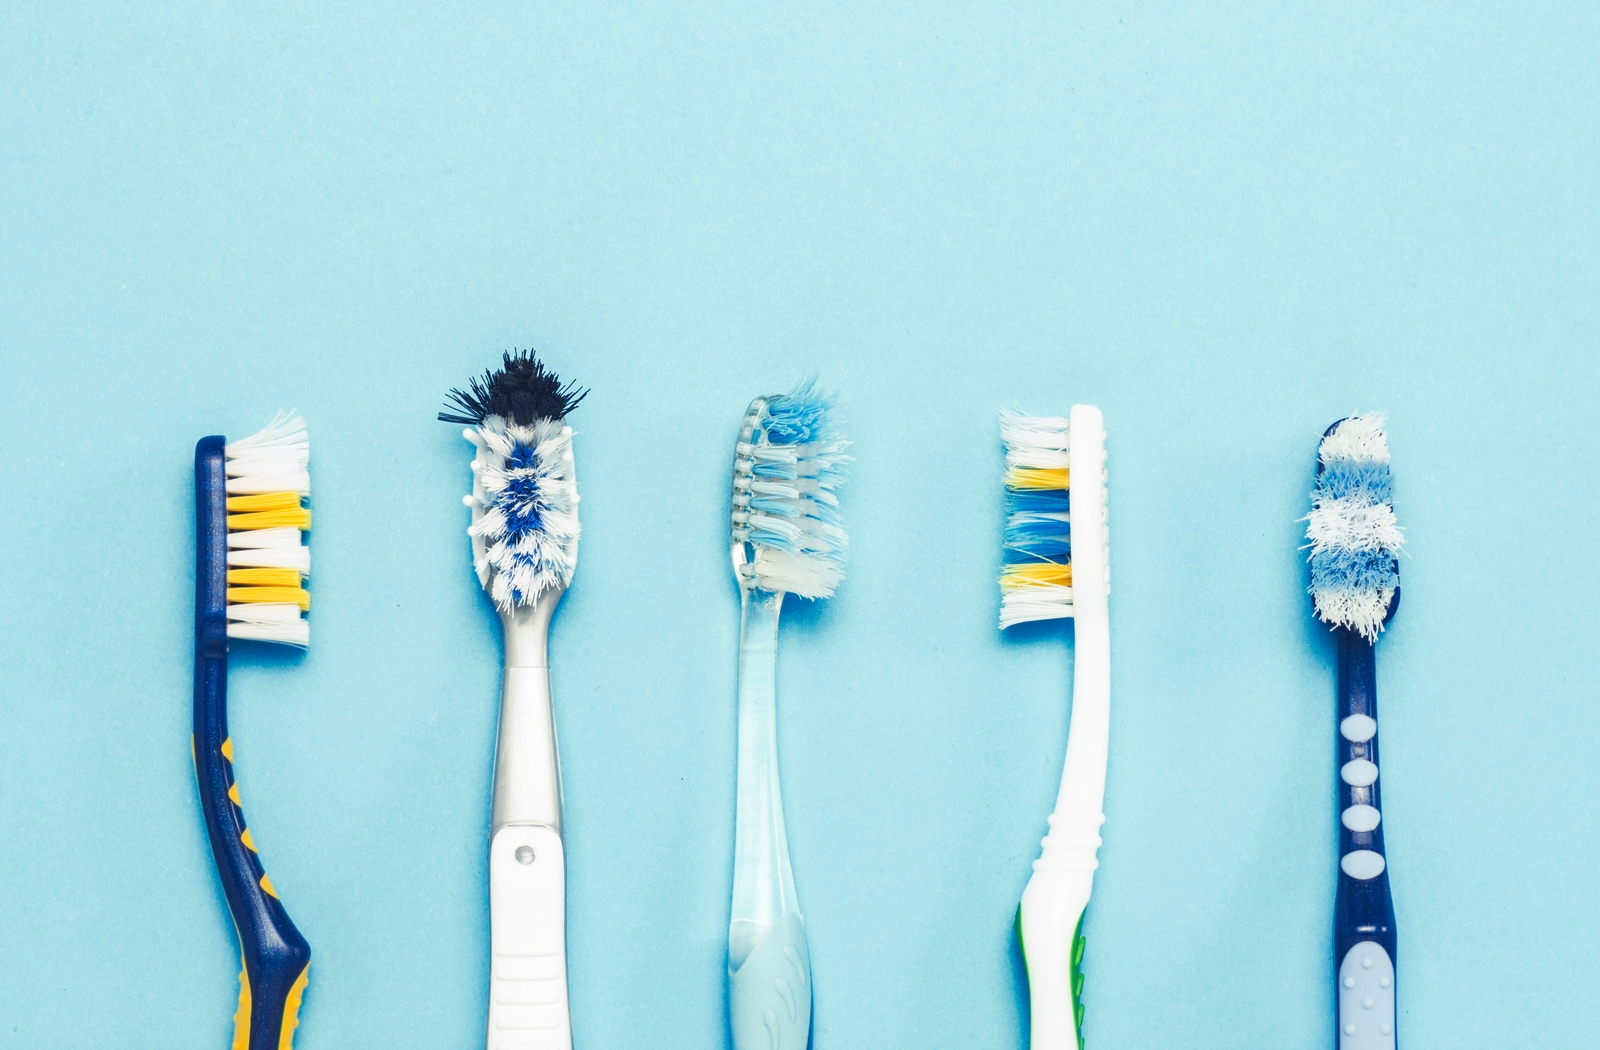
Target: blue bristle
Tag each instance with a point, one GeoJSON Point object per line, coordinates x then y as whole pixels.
{"type": "Point", "coordinates": [796, 418]}
{"type": "Point", "coordinates": [1353, 570]}
{"type": "Point", "coordinates": [1040, 502]}
{"type": "Point", "coordinates": [1046, 538]}
{"type": "Point", "coordinates": [521, 496]}
{"type": "Point", "coordinates": [1355, 541]}
{"type": "Point", "coordinates": [1030, 532]}
{"type": "Point", "coordinates": [1347, 477]}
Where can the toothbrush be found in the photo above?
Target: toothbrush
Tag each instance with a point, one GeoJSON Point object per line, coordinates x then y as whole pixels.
{"type": "Point", "coordinates": [1355, 589]}
{"type": "Point", "coordinates": [249, 571]}
{"type": "Point", "coordinates": [787, 539]}
{"type": "Point", "coordinates": [524, 536]}
{"type": "Point", "coordinates": [1057, 564]}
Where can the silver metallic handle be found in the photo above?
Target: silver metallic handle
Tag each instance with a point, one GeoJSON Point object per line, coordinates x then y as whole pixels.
{"type": "Point", "coordinates": [527, 768]}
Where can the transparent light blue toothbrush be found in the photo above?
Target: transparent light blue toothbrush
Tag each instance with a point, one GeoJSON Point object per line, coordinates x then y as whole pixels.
{"type": "Point", "coordinates": [786, 539]}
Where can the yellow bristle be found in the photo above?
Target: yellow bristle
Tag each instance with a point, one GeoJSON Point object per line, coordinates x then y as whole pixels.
{"type": "Point", "coordinates": [1036, 574]}
{"type": "Point", "coordinates": [1037, 478]}
{"type": "Point", "coordinates": [265, 577]}
{"type": "Point", "coordinates": [271, 596]}
{"type": "Point", "coordinates": [265, 501]}
{"type": "Point", "coordinates": [297, 518]}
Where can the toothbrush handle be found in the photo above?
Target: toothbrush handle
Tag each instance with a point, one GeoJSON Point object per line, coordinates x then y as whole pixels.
{"type": "Point", "coordinates": [275, 956]}
{"type": "Point", "coordinates": [769, 963]}
{"type": "Point", "coordinates": [527, 875]}
{"type": "Point", "coordinates": [769, 995]}
{"type": "Point", "coordinates": [1050, 934]}
{"type": "Point", "coordinates": [528, 940]}
{"type": "Point", "coordinates": [1050, 918]}
{"type": "Point", "coordinates": [1364, 926]}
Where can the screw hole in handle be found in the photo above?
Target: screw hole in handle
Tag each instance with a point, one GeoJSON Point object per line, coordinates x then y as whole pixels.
{"type": "Point", "coordinates": [524, 854]}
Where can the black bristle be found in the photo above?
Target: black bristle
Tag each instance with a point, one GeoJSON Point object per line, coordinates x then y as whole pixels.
{"type": "Point", "coordinates": [521, 391]}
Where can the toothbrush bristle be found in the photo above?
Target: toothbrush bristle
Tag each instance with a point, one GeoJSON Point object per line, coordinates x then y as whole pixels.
{"type": "Point", "coordinates": [1036, 579]}
{"type": "Point", "coordinates": [1355, 542]}
{"type": "Point", "coordinates": [267, 563]}
{"type": "Point", "coordinates": [786, 529]}
{"type": "Point", "coordinates": [522, 391]}
{"type": "Point", "coordinates": [525, 503]}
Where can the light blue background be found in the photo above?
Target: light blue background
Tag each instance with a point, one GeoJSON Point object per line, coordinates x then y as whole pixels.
{"type": "Point", "coordinates": [1225, 226]}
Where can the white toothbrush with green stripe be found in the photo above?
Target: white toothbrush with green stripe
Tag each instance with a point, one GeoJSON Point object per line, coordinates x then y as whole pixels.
{"type": "Point", "coordinates": [1057, 565]}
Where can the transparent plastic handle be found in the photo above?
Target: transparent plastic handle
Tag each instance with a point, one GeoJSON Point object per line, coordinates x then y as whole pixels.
{"type": "Point", "coordinates": [769, 965]}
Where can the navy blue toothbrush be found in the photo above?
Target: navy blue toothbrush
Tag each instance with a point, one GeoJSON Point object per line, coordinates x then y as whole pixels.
{"type": "Point", "coordinates": [249, 569]}
{"type": "Point", "coordinates": [1355, 589]}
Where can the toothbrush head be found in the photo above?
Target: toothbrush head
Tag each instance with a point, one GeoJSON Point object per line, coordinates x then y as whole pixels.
{"type": "Point", "coordinates": [1036, 579]}
{"type": "Point", "coordinates": [1355, 543]}
{"type": "Point", "coordinates": [267, 563]}
{"type": "Point", "coordinates": [787, 535]}
{"type": "Point", "coordinates": [524, 497]}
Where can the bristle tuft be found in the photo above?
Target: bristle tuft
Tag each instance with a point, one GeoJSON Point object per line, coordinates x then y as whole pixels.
{"type": "Point", "coordinates": [521, 392]}
{"type": "Point", "coordinates": [786, 529]}
{"type": "Point", "coordinates": [1355, 541]}
{"type": "Point", "coordinates": [526, 517]}
{"type": "Point", "coordinates": [267, 562]}
{"type": "Point", "coordinates": [1036, 579]}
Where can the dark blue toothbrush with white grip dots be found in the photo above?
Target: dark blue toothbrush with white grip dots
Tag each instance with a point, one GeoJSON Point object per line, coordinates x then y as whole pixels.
{"type": "Point", "coordinates": [1355, 589]}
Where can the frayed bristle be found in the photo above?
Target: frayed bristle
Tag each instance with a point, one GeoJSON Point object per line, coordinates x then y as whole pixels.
{"type": "Point", "coordinates": [525, 509]}
{"type": "Point", "coordinates": [268, 482]}
{"type": "Point", "coordinates": [1036, 579]}
{"type": "Point", "coordinates": [521, 392]}
{"type": "Point", "coordinates": [1355, 542]}
{"type": "Point", "coordinates": [524, 498]}
{"type": "Point", "coordinates": [786, 529]}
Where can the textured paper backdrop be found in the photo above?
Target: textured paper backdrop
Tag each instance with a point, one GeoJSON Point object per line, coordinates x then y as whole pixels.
{"type": "Point", "coordinates": [1226, 226]}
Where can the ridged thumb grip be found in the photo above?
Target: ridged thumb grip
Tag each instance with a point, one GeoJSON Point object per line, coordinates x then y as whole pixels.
{"type": "Point", "coordinates": [769, 996]}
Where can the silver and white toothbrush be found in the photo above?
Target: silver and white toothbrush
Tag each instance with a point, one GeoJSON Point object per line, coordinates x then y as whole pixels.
{"type": "Point", "coordinates": [524, 536]}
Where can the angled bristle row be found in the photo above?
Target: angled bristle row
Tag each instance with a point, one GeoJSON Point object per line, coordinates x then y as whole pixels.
{"type": "Point", "coordinates": [1354, 539]}
{"type": "Point", "coordinates": [1036, 579]}
{"type": "Point", "coordinates": [268, 564]}
{"type": "Point", "coordinates": [785, 518]}
{"type": "Point", "coordinates": [525, 521]}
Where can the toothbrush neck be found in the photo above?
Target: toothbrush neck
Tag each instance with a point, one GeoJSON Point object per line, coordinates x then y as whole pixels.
{"type": "Point", "coordinates": [1357, 675]}
{"type": "Point", "coordinates": [1358, 695]}
{"type": "Point", "coordinates": [763, 882]}
{"type": "Point", "coordinates": [527, 631]}
{"type": "Point", "coordinates": [759, 631]}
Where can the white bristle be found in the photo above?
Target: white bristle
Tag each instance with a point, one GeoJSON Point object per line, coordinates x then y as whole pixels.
{"type": "Point", "coordinates": [520, 562]}
{"type": "Point", "coordinates": [297, 633]}
{"type": "Point", "coordinates": [1039, 602]}
{"type": "Point", "coordinates": [1034, 443]}
{"type": "Point", "coordinates": [1355, 524]}
{"type": "Point", "coordinates": [283, 537]}
{"type": "Point", "coordinates": [1354, 537]}
{"type": "Point", "coordinates": [274, 459]}
{"type": "Point", "coordinates": [297, 557]}
{"type": "Point", "coordinates": [1040, 442]}
{"type": "Point", "coordinates": [261, 613]}
{"type": "Point", "coordinates": [1359, 438]}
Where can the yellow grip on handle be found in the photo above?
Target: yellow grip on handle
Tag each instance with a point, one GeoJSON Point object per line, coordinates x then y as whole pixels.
{"type": "Point", "coordinates": [291, 1012]}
